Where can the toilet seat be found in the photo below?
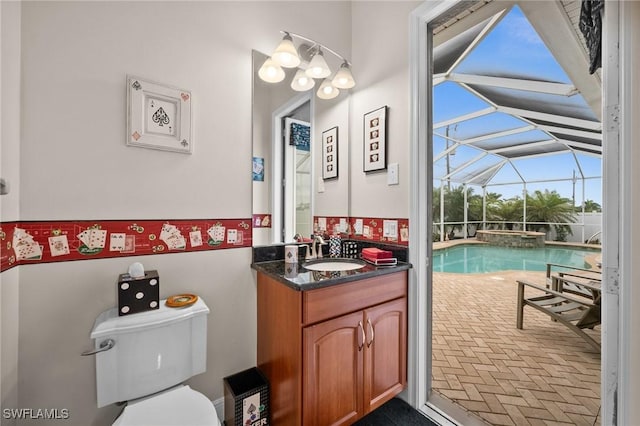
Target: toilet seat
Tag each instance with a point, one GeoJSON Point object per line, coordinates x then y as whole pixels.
{"type": "Point", "coordinates": [180, 405]}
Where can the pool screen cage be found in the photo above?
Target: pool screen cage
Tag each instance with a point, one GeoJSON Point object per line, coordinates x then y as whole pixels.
{"type": "Point", "coordinates": [515, 111]}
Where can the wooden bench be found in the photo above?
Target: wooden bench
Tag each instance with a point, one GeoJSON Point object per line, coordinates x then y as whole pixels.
{"type": "Point", "coordinates": [575, 312]}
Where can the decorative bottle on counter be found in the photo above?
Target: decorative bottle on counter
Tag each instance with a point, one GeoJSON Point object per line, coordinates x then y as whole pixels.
{"type": "Point", "coordinates": [350, 249]}
{"type": "Point", "coordinates": [335, 246]}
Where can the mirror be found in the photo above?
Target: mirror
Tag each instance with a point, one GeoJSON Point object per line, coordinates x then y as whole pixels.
{"type": "Point", "coordinates": [290, 189]}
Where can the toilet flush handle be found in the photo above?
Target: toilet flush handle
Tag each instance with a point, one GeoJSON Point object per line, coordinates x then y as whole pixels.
{"type": "Point", "coordinates": [104, 346]}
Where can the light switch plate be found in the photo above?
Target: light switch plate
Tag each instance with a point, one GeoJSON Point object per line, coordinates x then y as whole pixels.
{"type": "Point", "coordinates": [390, 229]}
{"type": "Point", "coordinates": [392, 174]}
{"type": "Point", "coordinates": [320, 184]}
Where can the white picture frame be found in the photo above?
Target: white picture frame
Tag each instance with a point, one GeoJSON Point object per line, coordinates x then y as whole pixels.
{"type": "Point", "coordinates": [158, 116]}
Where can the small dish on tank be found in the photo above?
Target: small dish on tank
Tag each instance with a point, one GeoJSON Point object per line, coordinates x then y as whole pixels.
{"type": "Point", "coordinates": [181, 300]}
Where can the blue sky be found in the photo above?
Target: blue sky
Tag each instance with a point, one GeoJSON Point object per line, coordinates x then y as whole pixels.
{"type": "Point", "coordinates": [515, 46]}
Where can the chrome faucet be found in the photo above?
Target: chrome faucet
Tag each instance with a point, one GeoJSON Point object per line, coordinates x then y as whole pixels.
{"type": "Point", "coordinates": [307, 255]}
{"type": "Point", "coordinates": [316, 247]}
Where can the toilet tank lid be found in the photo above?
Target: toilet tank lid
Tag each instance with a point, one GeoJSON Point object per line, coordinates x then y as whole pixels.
{"type": "Point", "coordinates": [109, 323]}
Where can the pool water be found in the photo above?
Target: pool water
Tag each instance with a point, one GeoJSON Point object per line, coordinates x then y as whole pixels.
{"type": "Point", "coordinates": [476, 258]}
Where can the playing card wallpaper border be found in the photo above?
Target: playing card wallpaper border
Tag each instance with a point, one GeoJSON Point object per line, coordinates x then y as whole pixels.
{"type": "Point", "coordinates": [35, 242]}
{"type": "Point", "coordinates": [373, 229]}
{"type": "Point", "coordinates": [29, 242]}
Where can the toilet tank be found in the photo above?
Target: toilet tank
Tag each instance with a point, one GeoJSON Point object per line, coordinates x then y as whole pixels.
{"type": "Point", "coordinates": [153, 350]}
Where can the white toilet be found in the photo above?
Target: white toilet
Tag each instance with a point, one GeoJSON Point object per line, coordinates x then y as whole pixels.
{"type": "Point", "coordinates": [152, 353]}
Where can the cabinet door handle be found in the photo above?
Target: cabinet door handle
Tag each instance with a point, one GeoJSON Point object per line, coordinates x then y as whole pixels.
{"type": "Point", "coordinates": [364, 338]}
{"type": "Point", "coordinates": [372, 333]}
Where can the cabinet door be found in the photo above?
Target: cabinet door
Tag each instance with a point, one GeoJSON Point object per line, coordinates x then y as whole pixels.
{"type": "Point", "coordinates": [332, 378]}
{"type": "Point", "coordinates": [385, 365]}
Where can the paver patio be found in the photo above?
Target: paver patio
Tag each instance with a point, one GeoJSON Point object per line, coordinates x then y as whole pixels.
{"type": "Point", "coordinates": [541, 375]}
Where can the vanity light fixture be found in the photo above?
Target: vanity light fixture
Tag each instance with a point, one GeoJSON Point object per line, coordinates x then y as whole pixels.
{"type": "Point", "coordinates": [309, 56]}
{"type": "Point", "coordinates": [343, 78]}
{"type": "Point", "coordinates": [271, 72]}
{"type": "Point", "coordinates": [318, 67]}
{"type": "Point", "coordinates": [327, 90]}
{"type": "Point", "coordinates": [302, 82]}
{"type": "Point", "coordinates": [286, 54]}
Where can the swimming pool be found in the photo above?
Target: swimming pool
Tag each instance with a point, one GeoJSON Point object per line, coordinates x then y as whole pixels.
{"type": "Point", "coordinates": [480, 258]}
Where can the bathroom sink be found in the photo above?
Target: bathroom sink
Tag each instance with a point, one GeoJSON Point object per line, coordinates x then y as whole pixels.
{"type": "Point", "coordinates": [335, 264]}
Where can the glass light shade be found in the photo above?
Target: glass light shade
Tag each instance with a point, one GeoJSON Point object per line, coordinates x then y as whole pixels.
{"type": "Point", "coordinates": [286, 54]}
{"type": "Point", "coordinates": [327, 91]}
{"type": "Point", "coordinates": [302, 82]}
{"type": "Point", "coordinates": [343, 78]}
{"type": "Point", "coordinates": [271, 72]}
{"type": "Point", "coordinates": [318, 67]}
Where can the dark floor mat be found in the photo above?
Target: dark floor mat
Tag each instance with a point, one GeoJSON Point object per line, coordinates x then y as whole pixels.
{"type": "Point", "coordinates": [394, 413]}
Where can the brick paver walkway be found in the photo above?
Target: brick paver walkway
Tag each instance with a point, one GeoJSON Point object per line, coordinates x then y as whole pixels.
{"type": "Point", "coordinates": [541, 375]}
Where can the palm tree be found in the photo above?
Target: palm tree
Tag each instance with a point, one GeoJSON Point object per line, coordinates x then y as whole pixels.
{"type": "Point", "coordinates": [493, 202]}
{"type": "Point", "coordinates": [590, 206]}
{"type": "Point", "coordinates": [508, 211]}
{"type": "Point", "coordinates": [549, 206]}
{"type": "Point", "coordinates": [435, 205]}
{"type": "Point", "coordinates": [453, 206]}
{"type": "Point", "coordinates": [435, 213]}
{"type": "Point", "coordinates": [543, 207]}
{"type": "Point", "coordinates": [475, 206]}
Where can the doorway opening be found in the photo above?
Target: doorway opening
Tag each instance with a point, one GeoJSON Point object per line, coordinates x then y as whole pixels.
{"type": "Point", "coordinates": [297, 174]}
{"type": "Point", "coordinates": [425, 133]}
{"type": "Point", "coordinates": [292, 163]}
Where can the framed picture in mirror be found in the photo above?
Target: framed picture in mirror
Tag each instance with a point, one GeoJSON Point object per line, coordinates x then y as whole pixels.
{"type": "Point", "coordinates": [330, 153]}
{"type": "Point", "coordinates": [375, 140]}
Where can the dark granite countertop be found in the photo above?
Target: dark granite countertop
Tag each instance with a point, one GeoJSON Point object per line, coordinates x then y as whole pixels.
{"type": "Point", "coordinates": [299, 278]}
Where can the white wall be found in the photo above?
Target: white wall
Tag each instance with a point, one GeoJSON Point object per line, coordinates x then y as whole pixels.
{"type": "Point", "coordinates": [334, 200]}
{"type": "Point", "coordinates": [60, 301]}
{"type": "Point", "coordinates": [9, 204]}
{"type": "Point", "coordinates": [10, 107]}
{"type": "Point", "coordinates": [380, 37]}
{"type": "Point", "coordinates": [75, 165]}
{"type": "Point", "coordinates": [9, 302]}
{"type": "Point", "coordinates": [75, 59]}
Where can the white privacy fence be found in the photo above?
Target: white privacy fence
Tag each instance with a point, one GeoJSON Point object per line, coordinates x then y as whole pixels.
{"type": "Point", "coordinates": [588, 226]}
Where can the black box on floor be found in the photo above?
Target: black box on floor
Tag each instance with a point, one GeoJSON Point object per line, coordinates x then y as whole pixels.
{"type": "Point", "coordinates": [138, 294]}
{"type": "Point", "coordinates": [246, 399]}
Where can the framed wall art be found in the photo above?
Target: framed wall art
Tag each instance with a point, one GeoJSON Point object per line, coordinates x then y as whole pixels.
{"type": "Point", "coordinates": [330, 153]}
{"type": "Point", "coordinates": [158, 116]}
{"type": "Point", "coordinates": [258, 169]}
{"type": "Point", "coordinates": [375, 140]}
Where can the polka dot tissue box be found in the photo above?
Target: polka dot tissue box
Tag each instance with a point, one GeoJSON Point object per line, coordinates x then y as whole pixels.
{"type": "Point", "coordinates": [138, 294]}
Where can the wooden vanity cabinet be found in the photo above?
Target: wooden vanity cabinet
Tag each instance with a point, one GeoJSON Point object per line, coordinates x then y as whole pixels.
{"type": "Point", "coordinates": [332, 354]}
